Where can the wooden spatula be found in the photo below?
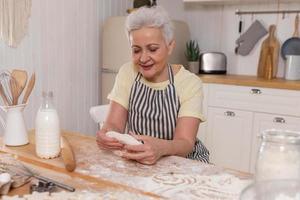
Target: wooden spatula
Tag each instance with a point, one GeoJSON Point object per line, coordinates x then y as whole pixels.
{"type": "Point", "coordinates": [21, 78]}
{"type": "Point", "coordinates": [67, 154]}
{"type": "Point", "coordinates": [29, 88]}
{"type": "Point", "coordinates": [14, 90]}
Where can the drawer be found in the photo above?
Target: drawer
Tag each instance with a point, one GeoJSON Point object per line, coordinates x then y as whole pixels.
{"type": "Point", "coordinates": [259, 99]}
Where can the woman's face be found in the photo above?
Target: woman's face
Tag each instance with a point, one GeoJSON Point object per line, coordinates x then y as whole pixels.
{"type": "Point", "coordinates": [150, 53]}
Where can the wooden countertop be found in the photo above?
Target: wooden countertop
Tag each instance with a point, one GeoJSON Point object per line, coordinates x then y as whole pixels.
{"type": "Point", "coordinates": [243, 80]}
{"type": "Point", "coordinates": [171, 177]}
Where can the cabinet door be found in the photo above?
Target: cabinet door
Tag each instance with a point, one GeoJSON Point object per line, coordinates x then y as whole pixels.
{"type": "Point", "coordinates": [229, 137]}
{"type": "Point", "coordinates": [269, 121]}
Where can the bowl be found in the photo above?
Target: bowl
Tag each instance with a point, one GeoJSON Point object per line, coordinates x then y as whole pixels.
{"type": "Point", "coordinates": [282, 189]}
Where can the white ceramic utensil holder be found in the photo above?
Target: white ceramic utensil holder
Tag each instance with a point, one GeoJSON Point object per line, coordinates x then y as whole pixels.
{"type": "Point", "coordinates": [15, 132]}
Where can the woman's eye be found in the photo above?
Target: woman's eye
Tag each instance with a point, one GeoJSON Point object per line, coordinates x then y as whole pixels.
{"type": "Point", "coordinates": [135, 51]}
{"type": "Point", "coordinates": [153, 49]}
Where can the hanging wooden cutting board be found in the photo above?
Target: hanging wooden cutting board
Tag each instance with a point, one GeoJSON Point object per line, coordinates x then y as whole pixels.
{"type": "Point", "coordinates": [269, 54]}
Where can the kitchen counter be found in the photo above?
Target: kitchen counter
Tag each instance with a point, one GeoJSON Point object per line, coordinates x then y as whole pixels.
{"type": "Point", "coordinates": [252, 81]}
{"type": "Point", "coordinates": [171, 177]}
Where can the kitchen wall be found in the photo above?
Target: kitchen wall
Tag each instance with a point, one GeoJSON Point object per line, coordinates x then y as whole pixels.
{"type": "Point", "coordinates": [216, 28]}
{"type": "Point", "coordinates": [63, 48]}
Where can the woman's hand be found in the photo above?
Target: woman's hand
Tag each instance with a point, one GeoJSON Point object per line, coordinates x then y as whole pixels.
{"type": "Point", "coordinates": [147, 153]}
{"type": "Point", "coordinates": [107, 143]}
{"type": "Point", "coordinates": [116, 120]}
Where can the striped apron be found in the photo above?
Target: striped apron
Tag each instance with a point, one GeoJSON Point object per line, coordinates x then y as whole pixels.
{"type": "Point", "coordinates": [154, 113]}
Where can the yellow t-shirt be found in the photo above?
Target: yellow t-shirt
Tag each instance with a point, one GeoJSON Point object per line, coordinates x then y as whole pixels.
{"type": "Point", "coordinates": [188, 87]}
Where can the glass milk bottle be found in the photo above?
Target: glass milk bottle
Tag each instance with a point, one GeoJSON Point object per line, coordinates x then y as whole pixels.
{"type": "Point", "coordinates": [47, 129]}
{"type": "Point", "coordinates": [278, 156]}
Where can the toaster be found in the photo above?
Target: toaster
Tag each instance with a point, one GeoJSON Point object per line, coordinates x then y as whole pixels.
{"type": "Point", "coordinates": [213, 63]}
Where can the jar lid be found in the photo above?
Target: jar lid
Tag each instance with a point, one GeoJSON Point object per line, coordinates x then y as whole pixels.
{"type": "Point", "coordinates": [281, 136]}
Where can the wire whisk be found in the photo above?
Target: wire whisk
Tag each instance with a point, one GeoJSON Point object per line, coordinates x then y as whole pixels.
{"type": "Point", "coordinates": [5, 90]}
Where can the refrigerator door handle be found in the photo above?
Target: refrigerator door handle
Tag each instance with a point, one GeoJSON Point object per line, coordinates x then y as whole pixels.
{"type": "Point", "coordinates": [107, 70]}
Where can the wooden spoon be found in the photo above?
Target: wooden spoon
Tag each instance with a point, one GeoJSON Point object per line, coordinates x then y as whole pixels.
{"type": "Point", "coordinates": [67, 154]}
{"type": "Point", "coordinates": [21, 78]}
{"type": "Point", "coordinates": [29, 88]}
{"type": "Point", "coordinates": [14, 90]}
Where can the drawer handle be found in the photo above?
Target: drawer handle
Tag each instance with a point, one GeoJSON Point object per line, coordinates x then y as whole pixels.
{"type": "Point", "coordinates": [256, 91]}
{"type": "Point", "coordinates": [279, 120]}
{"type": "Point", "coordinates": [229, 113]}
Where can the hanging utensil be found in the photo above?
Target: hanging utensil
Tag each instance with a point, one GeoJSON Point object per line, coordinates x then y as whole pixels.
{"type": "Point", "coordinates": [268, 59]}
{"type": "Point", "coordinates": [240, 24]}
{"type": "Point", "coordinates": [29, 88]}
{"type": "Point", "coordinates": [292, 45]}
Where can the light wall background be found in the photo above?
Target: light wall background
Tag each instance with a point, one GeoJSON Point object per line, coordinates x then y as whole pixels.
{"type": "Point", "coordinates": [216, 28]}
{"type": "Point", "coordinates": [63, 48]}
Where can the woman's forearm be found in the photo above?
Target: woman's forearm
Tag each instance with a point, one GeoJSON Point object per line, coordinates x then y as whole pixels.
{"type": "Point", "coordinates": [178, 147]}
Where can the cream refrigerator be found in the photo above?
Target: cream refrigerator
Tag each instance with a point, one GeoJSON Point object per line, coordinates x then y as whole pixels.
{"type": "Point", "coordinates": [116, 50]}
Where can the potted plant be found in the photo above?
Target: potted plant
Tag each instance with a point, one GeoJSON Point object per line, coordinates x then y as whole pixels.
{"type": "Point", "coordinates": [192, 54]}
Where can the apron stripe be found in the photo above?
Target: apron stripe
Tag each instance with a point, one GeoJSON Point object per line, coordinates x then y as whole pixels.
{"type": "Point", "coordinates": [150, 108]}
{"type": "Point", "coordinates": [154, 113]}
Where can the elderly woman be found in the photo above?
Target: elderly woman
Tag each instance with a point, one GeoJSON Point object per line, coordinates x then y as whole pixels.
{"type": "Point", "coordinates": [160, 104]}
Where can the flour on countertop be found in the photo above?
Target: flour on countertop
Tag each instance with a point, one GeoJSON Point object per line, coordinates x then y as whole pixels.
{"type": "Point", "coordinates": [171, 177]}
{"type": "Point", "coordinates": [82, 195]}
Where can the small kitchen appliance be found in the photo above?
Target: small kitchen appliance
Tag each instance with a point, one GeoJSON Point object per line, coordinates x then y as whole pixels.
{"type": "Point", "coordinates": [213, 63]}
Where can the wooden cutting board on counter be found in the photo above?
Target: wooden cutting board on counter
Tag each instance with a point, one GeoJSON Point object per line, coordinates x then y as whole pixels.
{"type": "Point", "coordinates": [269, 54]}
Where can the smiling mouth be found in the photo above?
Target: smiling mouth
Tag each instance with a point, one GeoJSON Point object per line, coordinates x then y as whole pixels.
{"type": "Point", "coordinates": [146, 67]}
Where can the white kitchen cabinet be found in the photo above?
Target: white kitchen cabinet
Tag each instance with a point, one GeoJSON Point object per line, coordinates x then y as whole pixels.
{"type": "Point", "coordinates": [263, 122]}
{"type": "Point", "coordinates": [237, 114]}
{"type": "Point", "coordinates": [222, 2]}
{"type": "Point", "coordinates": [228, 136]}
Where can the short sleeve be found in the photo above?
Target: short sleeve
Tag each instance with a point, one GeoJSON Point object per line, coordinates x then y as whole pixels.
{"type": "Point", "coordinates": [122, 86]}
{"type": "Point", "coordinates": [191, 97]}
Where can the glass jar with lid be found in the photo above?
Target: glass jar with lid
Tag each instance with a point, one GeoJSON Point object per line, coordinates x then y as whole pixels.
{"type": "Point", "coordinates": [278, 156]}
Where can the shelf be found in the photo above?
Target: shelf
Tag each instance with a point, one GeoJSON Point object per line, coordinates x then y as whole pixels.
{"type": "Point", "coordinates": [224, 2]}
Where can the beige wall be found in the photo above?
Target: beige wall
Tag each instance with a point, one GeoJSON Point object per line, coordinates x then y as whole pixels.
{"type": "Point", "coordinates": [63, 48]}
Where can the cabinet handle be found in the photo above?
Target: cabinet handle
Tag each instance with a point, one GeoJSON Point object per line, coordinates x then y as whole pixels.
{"type": "Point", "coordinates": [229, 113]}
{"type": "Point", "coordinates": [279, 120]}
{"type": "Point", "coordinates": [256, 91]}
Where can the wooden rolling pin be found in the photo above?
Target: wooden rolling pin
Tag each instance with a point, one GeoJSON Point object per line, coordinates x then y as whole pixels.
{"type": "Point", "coordinates": [67, 155]}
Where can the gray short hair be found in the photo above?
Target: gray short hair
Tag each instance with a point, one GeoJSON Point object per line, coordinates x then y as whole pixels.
{"type": "Point", "coordinates": [154, 16]}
